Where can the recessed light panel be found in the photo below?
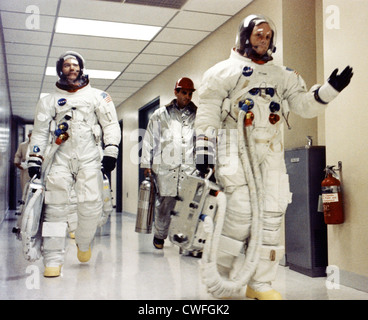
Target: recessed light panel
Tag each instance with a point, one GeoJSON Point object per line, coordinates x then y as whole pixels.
{"type": "Point", "coordinates": [106, 29]}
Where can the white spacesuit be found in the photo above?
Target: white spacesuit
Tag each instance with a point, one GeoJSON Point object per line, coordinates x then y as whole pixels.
{"type": "Point", "coordinates": [74, 114]}
{"type": "Point", "coordinates": [250, 81]}
{"type": "Point", "coordinates": [168, 148]}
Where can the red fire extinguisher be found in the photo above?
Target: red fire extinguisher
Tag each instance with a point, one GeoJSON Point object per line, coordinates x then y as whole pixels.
{"type": "Point", "coordinates": [332, 198]}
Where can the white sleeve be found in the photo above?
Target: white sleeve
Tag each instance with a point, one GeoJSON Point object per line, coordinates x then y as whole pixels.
{"type": "Point", "coordinates": [108, 120]}
{"type": "Point", "coordinates": [302, 102]}
{"type": "Point", "coordinates": [41, 128]}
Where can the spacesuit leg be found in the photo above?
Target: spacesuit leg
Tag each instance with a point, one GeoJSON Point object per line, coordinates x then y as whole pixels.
{"type": "Point", "coordinates": [58, 185]}
{"type": "Point", "coordinates": [72, 215]}
{"type": "Point", "coordinates": [163, 206]}
{"type": "Point", "coordinates": [271, 253]}
{"type": "Point", "coordinates": [236, 228]}
{"type": "Point", "coordinates": [88, 188]}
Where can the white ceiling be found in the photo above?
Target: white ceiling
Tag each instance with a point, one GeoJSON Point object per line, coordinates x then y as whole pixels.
{"type": "Point", "coordinates": [29, 51]}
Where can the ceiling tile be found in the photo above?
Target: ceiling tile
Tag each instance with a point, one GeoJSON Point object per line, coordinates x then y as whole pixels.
{"type": "Point", "coordinates": [155, 59]}
{"type": "Point", "coordinates": [136, 76]}
{"type": "Point", "coordinates": [118, 12]}
{"type": "Point", "coordinates": [26, 60]}
{"type": "Point", "coordinates": [12, 68]}
{"type": "Point", "coordinates": [172, 49]}
{"type": "Point", "coordinates": [129, 83]}
{"type": "Point", "coordinates": [145, 68]}
{"type": "Point", "coordinates": [25, 76]}
{"type": "Point", "coordinates": [27, 37]}
{"type": "Point", "coordinates": [23, 83]}
{"type": "Point", "coordinates": [197, 21]}
{"type": "Point", "coordinates": [15, 20]}
{"type": "Point", "coordinates": [47, 7]}
{"type": "Point", "coordinates": [181, 36]}
{"type": "Point", "coordinates": [75, 42]}
{"type": "Point", "coordinates": [26, 49]}
{"type": "Point", "coordinates": [227, 7]}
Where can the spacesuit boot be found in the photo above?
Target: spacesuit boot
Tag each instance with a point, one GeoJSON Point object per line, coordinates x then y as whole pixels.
{"type": "Point", "coordinates": [53, 247]}
{"type": "Point", "coordinates": [52, 272]}
{"type": "Point", "coordinates": [84, 256]}
{"type": "Point", "coordinates": [262, 291]}
{"type": "Point", "coordinates": [259, 287]}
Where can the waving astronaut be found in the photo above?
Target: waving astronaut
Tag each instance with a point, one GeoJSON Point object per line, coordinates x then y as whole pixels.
{"type": "Point", "coordinates": [250, 81]}
{"type": "Point", "coordinates": [78, 114]}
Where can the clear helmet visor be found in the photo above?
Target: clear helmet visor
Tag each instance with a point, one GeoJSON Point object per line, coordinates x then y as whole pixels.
{"type": "Point", "coordinates": [258, 29]}
{"type": "Point", "coordinates": [75, 57]}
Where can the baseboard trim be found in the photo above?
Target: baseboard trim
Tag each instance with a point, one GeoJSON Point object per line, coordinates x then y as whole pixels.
{"type": "Point", "coordinates": [353, 280]}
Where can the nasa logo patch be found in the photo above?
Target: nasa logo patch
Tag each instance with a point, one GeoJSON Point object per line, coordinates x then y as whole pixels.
{"type": "Point", "coordinates": [247, 71]}
{"type": "Point", "coordinates": [36, 149]}
{"type": "Point", "coordinates": [62, 102]}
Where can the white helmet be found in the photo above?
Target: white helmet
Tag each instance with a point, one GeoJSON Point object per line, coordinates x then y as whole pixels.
{"type": "Point", "coordinates": [65, 56]}
{"type": "Point", "coordinates": [242, 43]}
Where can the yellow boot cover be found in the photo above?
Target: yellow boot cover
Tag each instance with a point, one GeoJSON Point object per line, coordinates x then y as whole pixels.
{"type": "Point", "coordinates": [84, 256]}
{"type": "Point", "coordinates": [51, 272]}
{"type": "Point", "coordinates": [266, 295]}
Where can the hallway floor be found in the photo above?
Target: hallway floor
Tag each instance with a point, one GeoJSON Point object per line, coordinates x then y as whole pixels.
{"type": "Point", "coordinates": [125, 265]}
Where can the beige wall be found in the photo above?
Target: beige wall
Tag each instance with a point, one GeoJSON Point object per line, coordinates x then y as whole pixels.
{"type": "Point", "coordinates": [305, 44]}
{"type": "Point", "coordinates": [346, 122]}
{"type": "Point", "coordinates": [300, 54]}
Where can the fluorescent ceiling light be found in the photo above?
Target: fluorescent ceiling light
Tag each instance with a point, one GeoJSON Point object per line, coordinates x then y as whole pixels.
{"type": "Point", "coordinates": [93, 74]}
{"type": "Point", "coordinates": [105, 29]}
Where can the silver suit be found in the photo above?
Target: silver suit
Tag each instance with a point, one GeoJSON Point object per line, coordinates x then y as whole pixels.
{"type": "Point", "coordinates": [168, 149]}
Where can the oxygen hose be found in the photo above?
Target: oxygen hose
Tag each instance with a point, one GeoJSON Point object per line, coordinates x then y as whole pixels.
{"type": "Point", "coordinates": [217, 285]}
{"type": "Point", "coordinates": [254, 178]}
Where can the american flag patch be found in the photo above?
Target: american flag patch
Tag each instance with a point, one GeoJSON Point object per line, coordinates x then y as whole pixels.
{"type": "Point", "coordinates": [106, 97]}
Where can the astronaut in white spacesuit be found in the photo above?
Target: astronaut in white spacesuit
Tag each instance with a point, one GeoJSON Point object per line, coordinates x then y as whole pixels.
{"type": "Point", "coordinates": [77, 114]}
{"type": "Point", "coordinates": [249, 80]}
{"type": "Point", "coordinates": [168, 152]}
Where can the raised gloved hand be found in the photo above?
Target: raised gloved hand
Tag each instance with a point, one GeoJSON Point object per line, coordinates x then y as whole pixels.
{"type": "Point", "coordinates": [341, 81]}
{"type": "Point", "coordinates": [108, 164]}
{"type": "Point", "coordinates": [205, 154]}
{"type": "Point", "coordinates": [34, 166]}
